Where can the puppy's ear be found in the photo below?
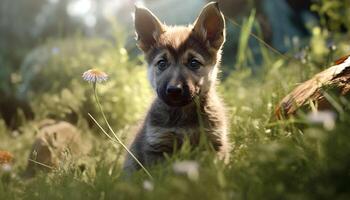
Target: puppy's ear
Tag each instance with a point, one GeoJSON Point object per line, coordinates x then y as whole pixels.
{"type": "Point", "coordinates": [148, 28]}
{"type": "Point", "coordinates": [210, 25]}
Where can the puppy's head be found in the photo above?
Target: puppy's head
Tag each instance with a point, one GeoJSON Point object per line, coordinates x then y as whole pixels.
{"type": "Point", "coordinates": [182, 60]}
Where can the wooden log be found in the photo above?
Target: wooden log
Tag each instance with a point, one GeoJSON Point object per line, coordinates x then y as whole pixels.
{"type": "Point", "coordinates": [312, 90]}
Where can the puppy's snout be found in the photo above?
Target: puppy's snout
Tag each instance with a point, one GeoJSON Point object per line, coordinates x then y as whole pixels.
{"type": "Point", "coordinates": [175, 91]}
{"type": "Point", "coordinates": [175, 94]}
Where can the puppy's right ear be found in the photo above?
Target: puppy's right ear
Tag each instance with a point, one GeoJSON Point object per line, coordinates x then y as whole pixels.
{"type": "Point", "coordinates": [148, 28]}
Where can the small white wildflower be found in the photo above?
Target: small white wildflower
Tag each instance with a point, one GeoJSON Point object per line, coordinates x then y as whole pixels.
{"type": "Point", "coordinates": [148, 185]}
{"type": "Point", "coordinates": [288, 134]}
{"type": "Point", "coordinates": [269, 106]}
{"type": "Point", "coordinates": [6, 168]}
{"type": "Point", "coordinates": [55, 50]}
{"type": "Point", "coordinates": [95, 76]}
{"type": "Point", "coordinates": [256, 123]}
{"type": "Point", "coordinates": [326, 118]}
{"type": "Point", "coordinates": [246, 109]}
{"type": "Point", "coordinates": [15, 133]}
{"type": "Point", "coordinates": [189, 168]}
{"type": "Point", "coordinates": [267, 130]}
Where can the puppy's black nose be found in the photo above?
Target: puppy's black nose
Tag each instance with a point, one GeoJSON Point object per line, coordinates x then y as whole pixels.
{"type": "Point", "coordinates": [174, 90]}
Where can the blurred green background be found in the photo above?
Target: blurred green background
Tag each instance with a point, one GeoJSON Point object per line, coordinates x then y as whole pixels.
{"type": "Point", "coordinates": [272, 45]}
{"type": "Point", "coordinates": [46, 44]}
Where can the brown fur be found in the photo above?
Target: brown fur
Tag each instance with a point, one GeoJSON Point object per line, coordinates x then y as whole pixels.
{"type": "Point", "coordinates": [166, 126]}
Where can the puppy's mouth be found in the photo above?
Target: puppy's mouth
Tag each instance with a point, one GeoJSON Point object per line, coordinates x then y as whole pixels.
{"type": "Point", "coordinates": [175, 100]}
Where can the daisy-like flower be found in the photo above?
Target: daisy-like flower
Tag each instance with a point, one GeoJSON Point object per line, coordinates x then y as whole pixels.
{"type": "Point", "coordinates": [95, 76]}
{"type": "Point", "coordinates": [6, 168]}
{"type": "Point", "coordinates": [5, 157]}
{"type": "Point", "coordinates": [148, 185]}
{"type": "Point", "coordinates": [326, 118]}
{"type": "Point", "coordinates": [187, 167]}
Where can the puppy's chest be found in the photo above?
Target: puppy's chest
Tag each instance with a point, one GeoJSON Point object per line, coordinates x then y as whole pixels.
{"type": "Point", "coordinates": [161, 133]}
{"type": "Point", "coordinates": [164, 139]}
{"type": "Point", "coordinates": [163, 130]}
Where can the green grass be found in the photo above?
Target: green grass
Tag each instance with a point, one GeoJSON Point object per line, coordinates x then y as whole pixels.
{"type": "Point", "coordinates": [268, 161]}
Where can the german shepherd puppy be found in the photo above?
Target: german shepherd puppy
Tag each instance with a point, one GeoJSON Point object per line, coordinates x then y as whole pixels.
{"type": "Point", "coordinates": [182, 69]}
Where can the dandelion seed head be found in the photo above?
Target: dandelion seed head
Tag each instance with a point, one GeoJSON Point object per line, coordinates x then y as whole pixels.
{"type": "Point", "coordinates": [95, 76]}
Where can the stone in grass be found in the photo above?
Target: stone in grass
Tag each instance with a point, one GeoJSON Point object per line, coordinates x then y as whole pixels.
{"type": "Point", "coordinates": [56, 144]}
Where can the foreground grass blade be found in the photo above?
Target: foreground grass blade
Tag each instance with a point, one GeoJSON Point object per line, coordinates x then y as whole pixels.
{"type": "Point", "coordinates": [122, 144]}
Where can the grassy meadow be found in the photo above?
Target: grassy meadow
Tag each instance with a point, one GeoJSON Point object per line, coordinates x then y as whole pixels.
{"type": "Point", "coordinates": [270, 159]}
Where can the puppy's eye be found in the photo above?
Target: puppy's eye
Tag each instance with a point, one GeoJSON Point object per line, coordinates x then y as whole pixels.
{"type": "Point", "coordinates": [162, 64]}
{"type": "Point", "coordinates": [194, 64]}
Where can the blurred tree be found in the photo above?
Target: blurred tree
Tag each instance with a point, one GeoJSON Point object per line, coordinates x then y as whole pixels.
{"type": "Point", "coordinates": [16, 32]}
{"type": "Point", "coordinates": [24, 24]}
{"type": "Point", "coordinates": [16, 27]}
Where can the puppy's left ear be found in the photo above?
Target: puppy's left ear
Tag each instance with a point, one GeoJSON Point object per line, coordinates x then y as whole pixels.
{"type": "Point", "coordinates": [210, 25]}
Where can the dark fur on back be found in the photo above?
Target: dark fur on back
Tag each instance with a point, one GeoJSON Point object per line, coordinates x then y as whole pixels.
{"type": "Point", "coordinates": [190, 57]}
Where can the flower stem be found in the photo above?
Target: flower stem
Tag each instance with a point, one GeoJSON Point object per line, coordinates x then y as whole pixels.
{"type": "Point", "coordinates": [114, 134]}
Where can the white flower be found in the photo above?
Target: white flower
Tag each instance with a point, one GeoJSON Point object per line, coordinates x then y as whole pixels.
{"type": "Point", "coordinates": [189, 168]}
{"type": "Point", "coordinates": [148, 185]}
{"type": "Point", "coordinates": [326, 118]}
{"type": "Point", "coordinates": [55, 50]}
{"type": "Point", "coordinates": [6, 168]}
{"type": "Point", "coordinates": [95, 75]}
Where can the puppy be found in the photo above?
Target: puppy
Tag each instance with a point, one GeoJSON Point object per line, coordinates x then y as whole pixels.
{"type": "Point", "coordinates": [182, 69]}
